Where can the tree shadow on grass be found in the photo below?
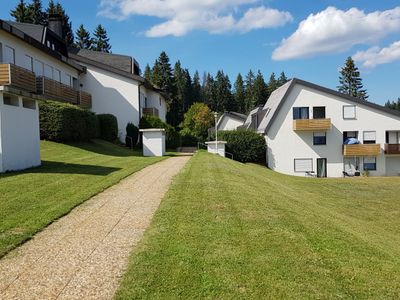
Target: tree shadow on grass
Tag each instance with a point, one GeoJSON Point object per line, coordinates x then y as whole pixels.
{"type": "Point", "coordinates": [54, 167]}
{"type": "Point", "coordinates": [106, 148]}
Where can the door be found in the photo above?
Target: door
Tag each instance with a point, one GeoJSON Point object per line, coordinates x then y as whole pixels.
{"type": "Point", "coordinates": [321, 167]}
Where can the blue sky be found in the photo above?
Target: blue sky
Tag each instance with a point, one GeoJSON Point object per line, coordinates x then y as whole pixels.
{"type": "Point", "coordinates": [308, 39]}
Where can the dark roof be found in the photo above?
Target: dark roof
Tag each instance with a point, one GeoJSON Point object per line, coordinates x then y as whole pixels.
{"type": "Point", "coordinates": [33, 35]}
{"type": "Point", "coordinates": [279, 96]}
{"type": "Point", "coordinates": [236, 115]}
{"type": "Point", "coordinates": [121, 62]}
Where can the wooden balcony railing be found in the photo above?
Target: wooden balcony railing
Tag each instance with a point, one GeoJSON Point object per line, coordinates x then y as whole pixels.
{"type": "Point", "coordinates": [362, 150]}
{"type": "Point", "coordinates": [84, 100]}
{"type": "Point", "coordinates": [392, 149]}
{"type": "Point", "coordinates": [54, 90]}
{"type": "Point", "coordinates": [151, 111]}
{"type": "Point", "coordinates": [17, 77]}
{"type": "Point", "coordinates": [312, 124]}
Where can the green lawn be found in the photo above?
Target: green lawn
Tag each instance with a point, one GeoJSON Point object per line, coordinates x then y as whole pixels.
{"type": "Point", "coordinates": [231, 231]}
{"type": "Point", "coordinates": [70, 174]}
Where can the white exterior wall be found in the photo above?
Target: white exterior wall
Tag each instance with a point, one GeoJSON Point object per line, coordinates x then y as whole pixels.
{"type": "Point", "coordinates": [22, 49]}
{"type": "Point", "coordinates": [284, 144]}
{"type": "Point", "coordinates": [153, 142]}
{"type": "Point", "coordinates": [229, 123]}
{"type": "Point", "coordinates": [154, 100]}
{"type": "Point", "coordinates": [113, 94]}
{"type": "Point", "coordinates": [19, 137]}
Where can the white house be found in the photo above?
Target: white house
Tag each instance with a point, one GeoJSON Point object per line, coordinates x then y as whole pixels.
{"type": "Point", "coordinates": [310, 129]}
{"type": "Point", "coordinates": [230, 121]}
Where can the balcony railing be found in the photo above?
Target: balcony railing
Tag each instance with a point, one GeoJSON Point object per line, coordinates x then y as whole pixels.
{"type": "Point", "coordinates": [17, 77]}
{"type": "Point", "coordinates": [392, 149]}
{"type": "Point", "coordinates": [84, 100]}
{"type": "Point", "coordinates": [152, 111]}
{"type": "Point", "coordinates": [312, 124]}
{"type": "Point", "coordinates": [54, 90]}
{"type": "Point", "coordinates": [362, 150]}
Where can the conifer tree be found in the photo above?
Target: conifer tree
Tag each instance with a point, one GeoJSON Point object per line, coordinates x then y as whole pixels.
{"type": "Point", "coordinates": [393, 104]}
{"type": "Point", "coordinates": [350, 81]}
{"type": "Point", "coordinates": [147, 73]}
{"type": "Point", "coordinates": [83, 39]}
{"type": "Point", "coordinates": [250, 95]}
{"type": "Point", "coordinates": [208, 91]}
{"type": "Point", "coordinates": [223, 95]}
{"type": "Point", "coordinates": [57, 9]}
{"type": "Point", "coordinates": [240, 94]}
{"type": "Point", "coordinates": [282, 79]}
{"type": "Point", "coordinates": [272, 84]}
{"type": "Point", "coordinates": [101, 40]}
{"type": "Point", "coordinates": [37, 15]}
{"type": "Point", "coordinates": [196, 88]}
{"type": "Point", "coordinates": [21, 13]}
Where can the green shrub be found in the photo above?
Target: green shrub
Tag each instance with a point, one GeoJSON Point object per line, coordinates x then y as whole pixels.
{"type": "Point", "coordinates": [245, 145]}
{"type": "Point", "coordinates": [63, 122]}
{"type": "Point", "coordinates": [188, 139]}
{"type": "Point", "coordinates": [172, 139]}
{"type": "Point", "coordinates": [132, 135]}
{"type": "Point", "coordinates": [108, 127]}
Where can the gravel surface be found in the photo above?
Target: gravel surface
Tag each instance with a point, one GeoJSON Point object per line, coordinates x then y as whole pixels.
{"type": "Point", "coordinates": [84, 254]}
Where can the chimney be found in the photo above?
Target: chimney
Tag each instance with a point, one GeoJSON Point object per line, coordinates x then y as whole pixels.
{"type": "Point", "coordinates": [55, 24]}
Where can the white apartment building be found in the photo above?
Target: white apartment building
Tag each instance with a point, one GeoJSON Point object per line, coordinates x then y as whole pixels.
{"type": "Point", "coordinates": [314, 131]}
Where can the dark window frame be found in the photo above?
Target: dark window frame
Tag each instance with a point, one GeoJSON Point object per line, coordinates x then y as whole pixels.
{"type": "Point", "coordinates": [318, 144]}
{"type": "Point", "coordinates": [368, 169]}
{"type": "Point", "coordinates": [297, 114]}
{"type": "Point", "coordinates": [318, 108]}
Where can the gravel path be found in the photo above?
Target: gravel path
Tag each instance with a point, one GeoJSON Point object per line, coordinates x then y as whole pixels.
{"type": "Point", "coordinates": [84, 254]}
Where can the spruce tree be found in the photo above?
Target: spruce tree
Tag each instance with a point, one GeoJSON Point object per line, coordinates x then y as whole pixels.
{"type": "Point", "coordinates": [57, 9]}
{"type": "Point", "coordinates": [21, 13]}
{"type": "Point", "coordinates": [38, 16]}
{"type": "Point", "coordinates": [196, 87]}
{"type": "Point", "coordinates": [272, 84]}
{"type": "Point", "coordinates": [240, 94]}
{"type": "Point", "coordinates": [101, 40]}
{"type": "Point", "coordinates": [83, 39]}
{"type": "Point", "coordinates": [282, 79]}
{"type": "Point", "coordinates": [350, 81]}
{"type": "Point", "coordinates": [162, 73]}
{"type": "Point", "coordinates": [250, 95]}
{"type": "Point", "coordinates": [147, 73]}
{"type": "Point", "coordinates": [208, 91]}
{"type": "Point", "coordinates": [177, 107]}
{"type": "Point", "coordinates": [260, 90]}
{"type": "Point", "coordinates": [393, 104]}
{"type": "Point", "coordinates": [223, 95]}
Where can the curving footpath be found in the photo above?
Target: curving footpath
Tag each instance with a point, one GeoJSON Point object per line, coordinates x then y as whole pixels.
{"type": "Point", "coordinates": [84, 254]}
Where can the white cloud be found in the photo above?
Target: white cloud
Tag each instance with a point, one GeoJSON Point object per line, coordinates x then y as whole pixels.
{"type": "Point", "coordinates": [184, 16]}
{"type": "Point", "coordinates": [333, 31]}
{"type": "Point", "coordinates": [377, 56]}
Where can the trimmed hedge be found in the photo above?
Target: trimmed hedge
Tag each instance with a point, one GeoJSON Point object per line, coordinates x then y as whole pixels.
{"type": "Point", "coordinates": [188, 139]}
{"type": "Point", "coordinates": [132, 135]}
{"type": "Point", "coordinates": [245, 145]}
{"type": "Point", "coordinates": [63, 122]}
{"type": "Point", "coordinates": [172, 137]}
{"type": "Point", "coordinates": [108, 127]}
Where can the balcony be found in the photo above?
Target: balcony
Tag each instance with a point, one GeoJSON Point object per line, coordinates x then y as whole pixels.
{"type": "Point", "coordinates": [84, 100]}
{"type": "Point", "coordinates": [392, 149]}
{"type": "Point", "coordinates": [312, 124]}
{"type": "Point", "coordinates": [17, 77]}
{"type": "Point", "coordinates": [54, 90]}
{"type": "Point", "coordinates": [362, 150]}
{"type": "Point", "coordinates": [150, 111]}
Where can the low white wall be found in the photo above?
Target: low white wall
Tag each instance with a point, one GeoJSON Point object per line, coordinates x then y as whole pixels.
{"type": "Point", "coordinates": [20, 137]}
{"type": "Point", "coordinates": [153, 142]}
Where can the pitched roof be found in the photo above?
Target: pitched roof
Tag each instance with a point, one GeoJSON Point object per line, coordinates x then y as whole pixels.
{"type": "Point", "coordinates": [35, 31]}
{"type": "Point", "coordinates": [279, 96]}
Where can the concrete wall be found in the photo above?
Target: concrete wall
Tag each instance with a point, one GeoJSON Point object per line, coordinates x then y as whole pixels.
{"type": "Point", "coordinates": [285, 145]}
{"type": "Point", "coordinates": [153, 142]}
{"type": "Point", "coordinates": [229, 123]}
{"type": "Point", "coordinates": [113, 94]}
{"type": "Point", "coordinates": [46, 62]}
{"type": "Point", "coordinates": [19, 136]}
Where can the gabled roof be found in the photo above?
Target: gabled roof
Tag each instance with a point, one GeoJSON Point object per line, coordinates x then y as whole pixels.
{"type": "Point", "coordinates": [279, 96]}
{"type": "Point", "coordinates": [232, 114]}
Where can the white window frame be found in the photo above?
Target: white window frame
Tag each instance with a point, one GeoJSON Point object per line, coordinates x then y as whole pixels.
{"type": "Point", "coordinates": [304, 170]}
{"type": "Point", "coordinates": [372, 136]}
{"type": "Point", "coordinates": [354, 114]}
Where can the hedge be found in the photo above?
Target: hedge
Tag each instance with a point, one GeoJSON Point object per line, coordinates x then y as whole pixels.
{"type": "Point", "coordinates": [172, 137]}
{"type": "Point", "coordinates": [132, 135]}
{"type": "Point", "coordinates": [63, 122]}
{"type": "Point", "coordinates": [245, 145]}
{"type": "Point", "coordinates": [108, 127]}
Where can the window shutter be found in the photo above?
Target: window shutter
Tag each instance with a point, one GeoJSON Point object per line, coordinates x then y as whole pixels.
{"type": "Point", "coordinates": [303, 165]}
{"type": "Point", "coordinates": [349, 112]}
{"type": "Point", "coordinates": [369, 136]}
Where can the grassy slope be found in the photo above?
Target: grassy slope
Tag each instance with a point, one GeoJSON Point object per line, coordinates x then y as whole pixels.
{"type": "Point", "coordinates": [231, 231]}
{"type": "Point", "coordinates": [70, 174]}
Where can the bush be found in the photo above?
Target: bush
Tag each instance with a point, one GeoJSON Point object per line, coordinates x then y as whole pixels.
{"type": "Point", "coordinates": [63, 122]}
{"type": "Point", "coordinates": [245, 145]}
{"type": "Point", "coordinates": [188, 139]}
{"type": "Point", "coordinates": [197, 120]}
{"type": "Point", "coordinates": [132, 135]}
{"type": "Point", "coordinates": [172, 137]}
{"type": "Point", "coordinates": [108, 127]}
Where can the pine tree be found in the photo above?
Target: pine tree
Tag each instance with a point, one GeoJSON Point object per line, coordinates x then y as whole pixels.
{"type": "Point", "coordinates": [21, 13]}
{"type": "Point", "coordinates": [223, 95]}
{"type": "Point", "coordinates": [282, 79]}
{"type": "Point", "coordinates": [350, 81]}
{"type": "Point", "coordinates": [208, 91]}
{"type": "Point", "coordinates": [196, 87]}
{"type": "Point", "coordinates": [260, 90]}
{"type": "Point", "coordinates": [57, 9]}
{"type": "Point", "coordinates": [83, 39]}
{"type": "Point", "coordinates": [101, 40]}
{"type": "Point", "coordinates": [178, 106]}
{"type": "Point", "coordinates": [188, 90]}
{"type": "Point", "coordinates": [162, 74]}
{"type": "Point", "coordinates": [240, 94]}
{"type": "Point", "coordinates": [250, 95]}
{"type": "Point", "coordinates": [272, 84]}
{"type": "Point", "coordinates": [393, 104]}
{"type": "Point", "coordinates": [147, 73]}
{"type": "Point", "coordinates": [38, 16]}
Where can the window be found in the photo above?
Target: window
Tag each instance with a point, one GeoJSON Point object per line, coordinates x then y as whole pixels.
{"type": "Point", "coordinates": [57, 75]}
{"type": "Point", "coordinates": [9, 55]}
{"type": "Point", "coordinates": [48, 71]}
{"type": "Point", "coordinates": [369, 163]}
{"type": "Point", "coordinates": [319, 138]}
{"type": "Point", "coordinates": [160, 100]}
{"type": "Point", "coordinates": [10, 100]}
{"type": "Point", "coordinates": [349, 135]}
{"type": "Point", "coordinates": [369, 137]}
{"type": "Point", "coordinates": [319, 112]}
{"type": "Point", "coordinates": [28, 63]}
{"type": "Point", "coordinates": [300, 113]}
{"type": "Point", "coordinates": [392, 137]}
{"type": "Point", "coordinates": [303, 165]}
{"type": "Point", "coordinates": [1, 53]}
{"type": "Point", "coordinates": [349, 111]}
{"type": "Point", "coordinates": [28, 103]}
{"type": "Point", "coordinates": [38, 68]}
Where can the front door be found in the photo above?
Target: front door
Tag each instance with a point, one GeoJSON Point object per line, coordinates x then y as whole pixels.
{"type": "Point", "coordinates": [321, 167]}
